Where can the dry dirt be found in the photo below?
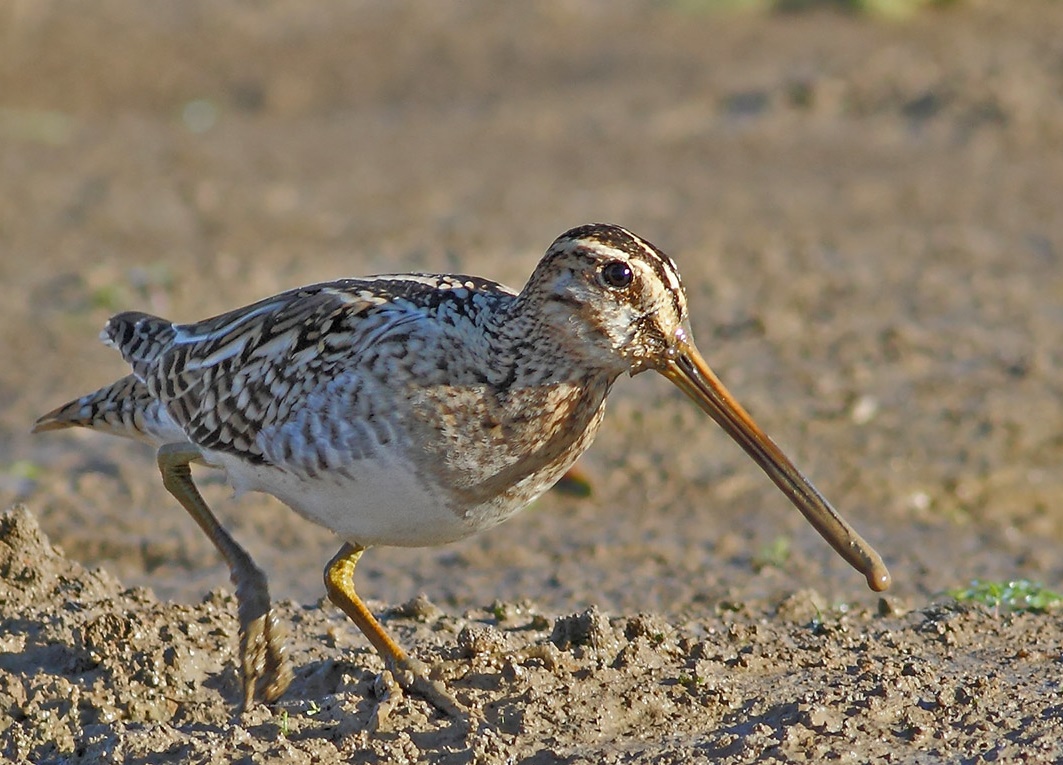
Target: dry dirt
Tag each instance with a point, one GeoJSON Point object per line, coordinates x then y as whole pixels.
{"type": "Point", "coordinates": [867, 219]}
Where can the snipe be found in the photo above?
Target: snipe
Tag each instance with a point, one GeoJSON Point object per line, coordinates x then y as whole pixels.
{"type": "Point", "coordinates": [413, 409]}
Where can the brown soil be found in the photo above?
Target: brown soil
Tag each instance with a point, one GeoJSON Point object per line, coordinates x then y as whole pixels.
{"type": "Point", "coordinates": [867, 219]}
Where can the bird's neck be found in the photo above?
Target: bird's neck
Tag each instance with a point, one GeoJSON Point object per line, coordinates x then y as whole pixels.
{"type": "Point", "coordinates": [535, 343]}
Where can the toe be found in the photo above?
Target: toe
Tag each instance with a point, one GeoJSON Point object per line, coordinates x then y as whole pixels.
{"type": "Point", "coordinates": [412, 675]}
{"type": "Point", "coordinates": [277, 675]}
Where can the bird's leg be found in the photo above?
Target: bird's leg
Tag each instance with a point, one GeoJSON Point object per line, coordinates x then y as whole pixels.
{"type": "Point", "coordinates": [409, 672]}
{"type": "Point", "coordinates": [264, 668]}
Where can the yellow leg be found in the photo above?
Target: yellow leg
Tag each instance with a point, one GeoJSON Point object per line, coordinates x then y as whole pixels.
{"type": "Point", "coordinates": [264, 668]}
{"type": "Point", "coordinates": [410, 673]}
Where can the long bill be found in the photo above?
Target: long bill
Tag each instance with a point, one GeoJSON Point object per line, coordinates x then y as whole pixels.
{"type": "Point", "coordinates": [688, 370]}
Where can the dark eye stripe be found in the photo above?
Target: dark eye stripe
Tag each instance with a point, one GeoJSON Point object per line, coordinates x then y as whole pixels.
{"type": "Point", "coordinates": [624, 241]}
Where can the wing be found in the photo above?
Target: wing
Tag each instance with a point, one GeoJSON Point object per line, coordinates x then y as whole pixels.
{"type": "Point", "coordinates": [298, 357]}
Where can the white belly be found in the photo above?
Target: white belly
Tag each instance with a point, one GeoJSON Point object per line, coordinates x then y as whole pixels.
{"type": "Point", "coordinates": [376, 503]}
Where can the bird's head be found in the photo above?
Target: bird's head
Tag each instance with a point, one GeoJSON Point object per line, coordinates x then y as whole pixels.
{"type": "Point", "coordinates": [617, 295]}
{"type": "Point", "coordinates": [617, 302]}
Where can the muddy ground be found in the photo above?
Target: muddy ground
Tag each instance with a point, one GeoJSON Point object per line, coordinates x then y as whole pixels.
{"type": "Point", "coordinates": [866, 215]}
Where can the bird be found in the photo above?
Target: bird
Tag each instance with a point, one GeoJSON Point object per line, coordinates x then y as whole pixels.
{"type": "Point", "coordinates": [413, 410]}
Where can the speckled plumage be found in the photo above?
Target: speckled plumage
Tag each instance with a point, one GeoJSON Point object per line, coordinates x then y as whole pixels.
{"type": "Point", "coordinates": [412, 409]}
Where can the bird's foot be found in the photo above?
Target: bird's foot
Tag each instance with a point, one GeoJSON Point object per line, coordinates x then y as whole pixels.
{"type": "Point", "coordinates": [265, 671]}
{"type": "Point", "coordinates": [412, 677]}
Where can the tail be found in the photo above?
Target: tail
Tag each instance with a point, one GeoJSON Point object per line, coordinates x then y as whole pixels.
{"type": "Point", "coordinates": [139, 337]}
{"type": "Point", "coordinates": [124, 408]}
{"type": "Point", "coordinates": [108, 409]}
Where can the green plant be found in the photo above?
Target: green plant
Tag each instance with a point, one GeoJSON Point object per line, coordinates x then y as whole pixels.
{"type": "Point", "coordinates": [1014, 595]}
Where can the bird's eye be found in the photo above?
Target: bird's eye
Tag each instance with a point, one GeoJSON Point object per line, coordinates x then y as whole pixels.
{"type": "Point", "coordinates": [616, 274]}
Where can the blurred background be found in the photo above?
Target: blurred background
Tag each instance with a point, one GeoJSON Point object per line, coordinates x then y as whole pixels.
{"type": "Point", "coordinates": [863, 199]}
